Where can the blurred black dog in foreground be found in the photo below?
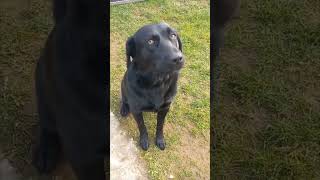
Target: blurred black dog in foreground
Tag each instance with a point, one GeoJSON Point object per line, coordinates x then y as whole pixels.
{"type": "Point", "coordinates": [71, 87]}
{"type": "Point", "coordinates": [154, 60]}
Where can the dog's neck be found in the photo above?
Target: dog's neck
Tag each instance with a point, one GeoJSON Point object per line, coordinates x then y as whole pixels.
{"type": "Point", "coordinates": [154, 79]}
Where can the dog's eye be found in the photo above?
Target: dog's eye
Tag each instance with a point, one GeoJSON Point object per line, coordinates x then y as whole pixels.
{"type": "Point", "coordinates": [173, 36]}
{"type": "Point", "coordinates": [150, 41]}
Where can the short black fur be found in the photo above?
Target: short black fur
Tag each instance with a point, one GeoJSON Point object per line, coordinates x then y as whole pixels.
{"type": "Point", "coordinates": [71, 87]}
{"type": "Point", "coordinates": [154, 60]}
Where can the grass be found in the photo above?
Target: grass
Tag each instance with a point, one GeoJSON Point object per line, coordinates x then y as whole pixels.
{"type": "Point", "coordinates": [24, 28]}
{"type": "Point", "coordinates": [268, 124]}
{"type": "Point", "coordinates": [187, 124]}
{"type": "Point", "coordinates": [268, 121]}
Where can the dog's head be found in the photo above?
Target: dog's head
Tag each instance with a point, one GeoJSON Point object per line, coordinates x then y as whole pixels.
{"type": "Point", "coordinates": [155, 47]}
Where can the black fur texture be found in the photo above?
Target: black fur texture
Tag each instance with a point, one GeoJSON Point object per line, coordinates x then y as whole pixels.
{"type": "Point", "coordinates": [71, 87]}
{"type": "Point", "coordinates": [154, 60]}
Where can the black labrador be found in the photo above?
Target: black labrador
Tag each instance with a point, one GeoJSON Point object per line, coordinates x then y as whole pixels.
{"type": "Point", "coordinates": [71, 87]}
{"type": "Point", "coordinates": [154, 60]}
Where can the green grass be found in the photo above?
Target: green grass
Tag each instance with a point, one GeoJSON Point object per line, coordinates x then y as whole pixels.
{"type": "Point", "coordinates": [24, 28]}
{"type": "Point", "coordinates": [188, 120]}
{"type": "Point", "coordinates": [268, 122]}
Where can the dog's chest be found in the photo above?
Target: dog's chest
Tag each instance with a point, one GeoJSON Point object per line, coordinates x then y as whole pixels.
{"type": "Point", "coordinates": [156, 100]}
{"type": "Point", "coordinates": [157, 95]}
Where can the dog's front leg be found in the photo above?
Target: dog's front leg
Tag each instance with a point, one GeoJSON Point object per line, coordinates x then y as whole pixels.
{"type": "Point", "coordinates": [142, 129]}
{"type": "Point", "coordinates": [159, 133]}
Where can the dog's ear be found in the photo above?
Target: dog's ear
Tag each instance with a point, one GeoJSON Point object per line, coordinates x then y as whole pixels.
{"type": "Point", "coordinates": [130, 50]}
{"type": "Point", "coordinates": [179, 43]}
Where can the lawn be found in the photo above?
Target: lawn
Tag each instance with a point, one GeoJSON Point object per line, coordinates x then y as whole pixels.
{"type": "Point", "coordinates": [24, 28]}
{"type": "Point", "coordinates": [268, 121]}
{"type": "Point", "coordinates": [187, 124]}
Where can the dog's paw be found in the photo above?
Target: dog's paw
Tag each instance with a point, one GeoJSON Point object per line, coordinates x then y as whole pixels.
{"type": "Point", "coordinates": [160, 142]}
{"type": "Point", "coordinates": [144, 143]}
{"type": "Point", "coordinates": [124, 110]}
{"type": "Point", "coordinates": [45, 157]}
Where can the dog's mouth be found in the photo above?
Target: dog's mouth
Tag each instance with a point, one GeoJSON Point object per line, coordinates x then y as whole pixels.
{"type": "Point", "coordinates": [169, 66]}
{"type": "Point", "coordinates": [180, 64]}
{"type": "Point", "coordinates": [177, 65]}
{"type": "Point", "coordinates": [180, 61]}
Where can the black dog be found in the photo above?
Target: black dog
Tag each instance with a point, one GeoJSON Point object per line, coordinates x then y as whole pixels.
{"type": "Point", "coordinates": [71, 87]}
{"type": "Point", "coordinates": [154, 59]}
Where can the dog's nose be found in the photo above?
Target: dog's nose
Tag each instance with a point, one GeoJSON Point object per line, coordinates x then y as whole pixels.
{"type": "Point", "coordinates": [178, 59]}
